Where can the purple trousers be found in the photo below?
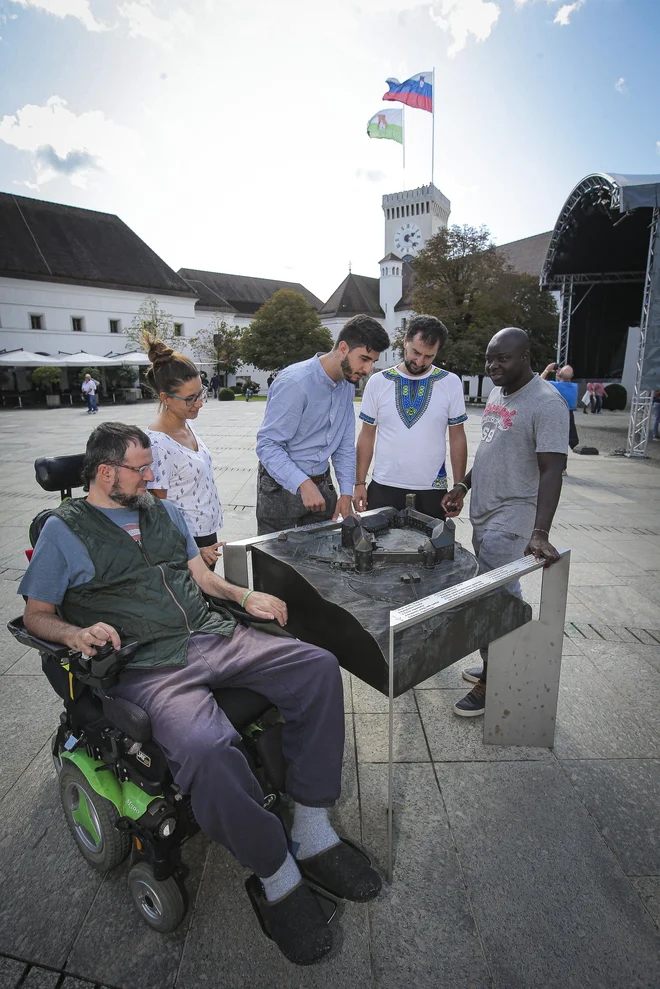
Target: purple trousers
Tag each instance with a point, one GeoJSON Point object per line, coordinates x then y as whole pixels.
{"type": "Point", "coordinates": [200, 744]}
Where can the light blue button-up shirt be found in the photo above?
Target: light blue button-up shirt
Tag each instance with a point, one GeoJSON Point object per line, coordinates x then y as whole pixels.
{"type": "Point", "coordinates": [309, 419]}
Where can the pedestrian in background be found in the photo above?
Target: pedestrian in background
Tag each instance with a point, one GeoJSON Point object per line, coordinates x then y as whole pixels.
{"type": "Point", "coordinates": [214, 384]}
{"type": "Point", "coordinates": [587, 399]}
{"type": "Point", "coordinates": [88, 389]}
{"type": "Point", "coordinates": [599, 395]}
{"type": "Point", "coordinates": [656, 417]}
{"type": "Point", "coordinates": [568, 390]}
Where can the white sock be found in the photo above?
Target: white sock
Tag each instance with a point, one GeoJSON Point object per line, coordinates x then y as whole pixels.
{"type": "Point", "coordinates": [283, 881]}
{"type": "Point", "coordinates": [312, 832]}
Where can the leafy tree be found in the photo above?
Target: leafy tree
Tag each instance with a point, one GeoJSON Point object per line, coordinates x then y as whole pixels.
{"type": "Point", "coordinates": [219, 343]}
{"type": "Point", "coordinates": [79, 377]}
{"type": "Point", "coordinates": [286, 329]}
{"type": "Point", "coordinates": [153, 319]}
{"type": "Point", "coordinates": [465, 282]}
{"type": "Point", "coordinates": [45, 378]}
{"type": "Point", "coordinates": [123, 376]}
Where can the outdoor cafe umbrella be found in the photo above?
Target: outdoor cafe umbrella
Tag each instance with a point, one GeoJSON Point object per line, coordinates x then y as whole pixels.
{"type": "Point", "coordinates": [134, 357]}
{"type": "Point", "coordinates": [25, 358]}
{"type": "Point", "coordinates": [81, 359]}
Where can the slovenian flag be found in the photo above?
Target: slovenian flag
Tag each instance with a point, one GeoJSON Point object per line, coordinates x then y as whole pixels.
{"type": "Point", "coordinates": [387, 124]}
{"type": "Point", "coordinates": [416, 91]}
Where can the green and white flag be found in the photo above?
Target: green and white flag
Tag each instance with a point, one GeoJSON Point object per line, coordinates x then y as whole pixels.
{"type": "Point", "coordinates": [387, 124]}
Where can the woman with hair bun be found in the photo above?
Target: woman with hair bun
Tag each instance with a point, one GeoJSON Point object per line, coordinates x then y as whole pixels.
{"type": "Point", "coordinates": [183, 469]}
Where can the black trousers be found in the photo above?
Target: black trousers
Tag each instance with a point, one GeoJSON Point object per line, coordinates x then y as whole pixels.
{"type": "Point", "coordinates": [573, 438]}
{"type": "Point", "coordinates": [428, 502]}
{"type": "Point", "coordinates": [278, 509]}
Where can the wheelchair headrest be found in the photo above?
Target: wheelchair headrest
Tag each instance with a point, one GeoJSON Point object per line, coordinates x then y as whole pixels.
{"type": "Point", "coordinates": [59, 473]}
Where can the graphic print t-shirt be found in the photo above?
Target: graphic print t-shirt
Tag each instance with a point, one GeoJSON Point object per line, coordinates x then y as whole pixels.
{"type": "Point", "coordinates": [505, 475]}
{"type": "Point", "coordinates": [412, 413]}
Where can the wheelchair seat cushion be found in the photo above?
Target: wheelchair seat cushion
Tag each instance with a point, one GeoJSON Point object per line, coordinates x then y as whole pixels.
{"type": "Point", "coordinates": [128, 717]}
{"type": "Point", "coordinates": [242, 706]}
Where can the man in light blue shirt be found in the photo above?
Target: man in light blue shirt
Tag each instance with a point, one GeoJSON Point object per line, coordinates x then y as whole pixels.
{"type": "Point", "coordinates": [309, 420]}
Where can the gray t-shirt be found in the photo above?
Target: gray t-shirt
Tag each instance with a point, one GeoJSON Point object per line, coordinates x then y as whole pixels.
{"type": "Point", "coordinates": [505, 475]}
{"type": "Point", "coordinates": [60, 559]}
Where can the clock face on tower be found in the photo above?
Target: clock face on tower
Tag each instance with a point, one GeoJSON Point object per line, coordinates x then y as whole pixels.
{"type": "Point", "coordinates": [408, 241]}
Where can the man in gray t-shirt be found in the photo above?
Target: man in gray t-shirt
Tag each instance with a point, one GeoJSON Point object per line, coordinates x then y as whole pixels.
{"type": "Point", "coordinates": [516, 476]}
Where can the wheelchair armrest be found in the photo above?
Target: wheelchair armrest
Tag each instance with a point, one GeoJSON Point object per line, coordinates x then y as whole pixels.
{"type": "Point", "coordinates": [239, 613]}
{"type": "Point", "coordinates": [19, 631]}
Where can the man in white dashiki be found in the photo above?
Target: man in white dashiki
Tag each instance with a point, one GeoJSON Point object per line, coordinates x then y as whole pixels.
{"type": "Point", "coordinates": [406, 411]}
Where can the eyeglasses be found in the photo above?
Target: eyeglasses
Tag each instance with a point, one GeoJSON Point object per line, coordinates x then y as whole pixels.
{"type": "Point", "coordinates": [138, 470]}
{"type": "Point", "coordinates": [191, 399]}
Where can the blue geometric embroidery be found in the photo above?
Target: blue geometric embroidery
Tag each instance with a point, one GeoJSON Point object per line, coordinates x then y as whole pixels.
{"type": "Point", "coordinates": [441, 479]}
{"type": "Point", "coordinates": [367, 418]}
{"type": "Point", "coordinates": [412, 397]}
{"type": "Point", "coordinates": [457, 421]}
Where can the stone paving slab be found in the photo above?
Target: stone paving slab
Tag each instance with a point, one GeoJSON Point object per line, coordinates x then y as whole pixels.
{"type": "Point", "coordinates": [623, 797]}
{"type": "Point", "coordinates": [552, 904]}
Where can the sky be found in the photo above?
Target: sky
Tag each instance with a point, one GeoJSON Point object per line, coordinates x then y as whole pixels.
{"type": "Point", "coordinates": [232, 136]}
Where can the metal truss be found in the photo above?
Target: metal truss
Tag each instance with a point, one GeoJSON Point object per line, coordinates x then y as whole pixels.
{"type": "Point", "coordinates": [602, 191]}
{"type": "Point", "coordinates": [597, 278]}
{"type": "Point", "coordinates": [640, 409]}
{"type": "Point", "coordinates": [565, 321]}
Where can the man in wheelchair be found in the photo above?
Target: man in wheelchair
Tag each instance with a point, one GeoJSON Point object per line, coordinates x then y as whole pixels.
{"type": "Point", "coordinates": [121, 560]}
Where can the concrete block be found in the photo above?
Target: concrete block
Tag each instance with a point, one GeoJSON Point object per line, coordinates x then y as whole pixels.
{"type": "Point", "coordinates": [29, 714]}
{"type": "Point", "coordinates": [648, 888]}
{"type": "Point", "coordinates": [11, 972]}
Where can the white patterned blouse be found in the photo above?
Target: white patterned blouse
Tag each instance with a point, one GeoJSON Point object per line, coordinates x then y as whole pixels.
{"type": "Point", "coordinates": [187, 476]}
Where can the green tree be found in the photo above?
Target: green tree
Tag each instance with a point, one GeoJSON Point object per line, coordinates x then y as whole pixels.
{"type": "Point", "coordinates": [286, 329]}
{"type": "Point", "coordinates": [45, 378]}
{"type": "Point", "coordinates": [219, 343]}
{"type": "Point", "coordinates": [465, 282]}
{"type": "Point", "coordinates": [153, 319]}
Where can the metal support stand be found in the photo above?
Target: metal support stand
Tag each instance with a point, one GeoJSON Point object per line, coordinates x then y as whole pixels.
{"type": "Point", "coordinates": [640, 406]}
{"type": "Point", "coordinates": [565, 322]}
{"type": "Point", "coordinates": [523, 666]}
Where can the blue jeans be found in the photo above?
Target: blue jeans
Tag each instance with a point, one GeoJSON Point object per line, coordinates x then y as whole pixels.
{"type": "Point", "coordinates": [495, 548]}
{"type": "Point", "coordinates": [91, 402]}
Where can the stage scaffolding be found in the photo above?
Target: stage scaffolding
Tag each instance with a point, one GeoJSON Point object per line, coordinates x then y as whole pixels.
{"type": "Point", "coordinates": [611, 195]}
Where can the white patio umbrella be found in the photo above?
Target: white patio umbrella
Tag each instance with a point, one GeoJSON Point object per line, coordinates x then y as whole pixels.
{"type": "Point", "coordinates": [25, 358]}
{"type": "Point", "coordinates": [81, 359]}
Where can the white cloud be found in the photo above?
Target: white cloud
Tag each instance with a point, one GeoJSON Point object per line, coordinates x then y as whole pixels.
{"type": "Point", "coordinates": [464, 17]}
{"type": "Point", "coordinates": [63, 144]}
{"type": "Point", "coordinates": [620, 85]}
{"type": "Point", "coordinates": [657, 146]}
{"type": "Point", "coordinates": [144, 23]}
{"type": "Point", "coordinates": [564, 13]}
{"type": "Point", "coordinates": [66, 8]}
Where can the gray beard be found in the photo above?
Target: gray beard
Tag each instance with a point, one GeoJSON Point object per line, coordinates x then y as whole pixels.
{"type": "Point", "coordinates": [130, 501]}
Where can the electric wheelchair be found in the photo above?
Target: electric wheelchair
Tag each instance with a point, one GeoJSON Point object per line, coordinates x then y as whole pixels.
{"type": "Point", "coordinates": [117, 792]}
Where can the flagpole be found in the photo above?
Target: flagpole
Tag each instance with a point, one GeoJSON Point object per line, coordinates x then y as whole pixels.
{"type": "Point", "coordinates": [433, 128]}
{"type": "Point", "coordinates": [403, 142]}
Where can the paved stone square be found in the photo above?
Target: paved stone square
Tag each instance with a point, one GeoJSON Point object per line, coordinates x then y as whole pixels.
{"type": "Point", "coordinates": [515, 868]}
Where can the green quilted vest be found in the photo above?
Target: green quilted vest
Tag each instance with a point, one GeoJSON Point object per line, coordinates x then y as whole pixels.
{"type": "Point", "coordinates": [145, 589]}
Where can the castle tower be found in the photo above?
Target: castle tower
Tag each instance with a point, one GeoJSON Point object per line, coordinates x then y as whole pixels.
{"type": "Point", "coordinates": [412, 217]}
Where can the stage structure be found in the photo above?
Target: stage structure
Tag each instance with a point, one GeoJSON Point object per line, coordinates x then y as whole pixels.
{"type": "Point", "coordinates": [604, 259]}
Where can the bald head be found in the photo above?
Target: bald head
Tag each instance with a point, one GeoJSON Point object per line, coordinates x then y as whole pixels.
{"type": "Point", "coordinates": [565, 373]}
{"type": "Point", "coordinates": [508, 359]}
{"type": "Point", "coordinates": [512, 338]}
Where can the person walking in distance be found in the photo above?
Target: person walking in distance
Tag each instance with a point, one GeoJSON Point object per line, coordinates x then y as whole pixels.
{"type": "Point", "coordinates": [309, 421]}
{"type": "Point", "coordinates": [516, 476]}
{"type": "Point", "coordinates": [599, 395]}
{"type": "Point", "coordinates": [406, 412]}
{"type": "Point", "coordinates": [88, 388]}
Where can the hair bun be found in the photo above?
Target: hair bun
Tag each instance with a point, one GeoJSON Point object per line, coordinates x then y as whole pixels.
{"type": "Point", "coordinates": [157, 350]}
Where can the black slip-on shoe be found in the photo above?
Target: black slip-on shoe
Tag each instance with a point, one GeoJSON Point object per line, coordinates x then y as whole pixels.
{"type": "Point", "coordinates": [296, 923]}
{"type": "Point", "coordinates": [472, 674]}
{"type": "Point", "coordinates": [343, 870]}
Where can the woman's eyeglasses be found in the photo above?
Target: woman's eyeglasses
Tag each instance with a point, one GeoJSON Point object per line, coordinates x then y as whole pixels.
{"type": "Point", "coordinates": [191, 399]}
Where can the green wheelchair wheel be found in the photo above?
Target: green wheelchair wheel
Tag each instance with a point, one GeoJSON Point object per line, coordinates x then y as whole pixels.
{"type": "Point", "coordinates": [91, 820]}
